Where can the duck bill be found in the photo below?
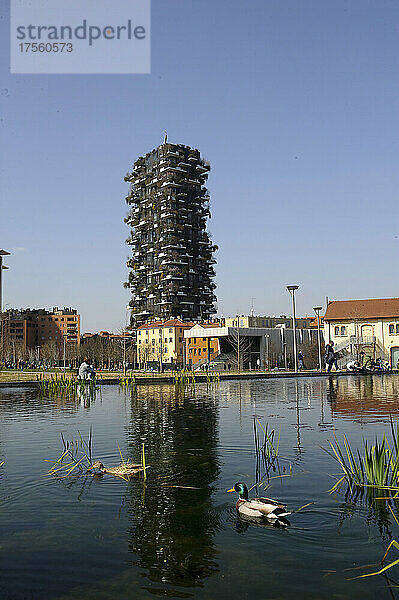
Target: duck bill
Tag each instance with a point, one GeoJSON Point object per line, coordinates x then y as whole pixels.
{"type": "Point", "coordinates": [232, 490]}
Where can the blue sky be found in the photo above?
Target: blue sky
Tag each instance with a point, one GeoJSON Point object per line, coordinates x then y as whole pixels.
{"type": "Point", "coordinates": [294, 102]}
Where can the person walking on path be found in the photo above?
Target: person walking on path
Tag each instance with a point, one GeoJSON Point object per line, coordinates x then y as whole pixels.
{"type": "Point", "coordinates": [329, 356]}
{"type": "Point", "coordinates": [301, 364]}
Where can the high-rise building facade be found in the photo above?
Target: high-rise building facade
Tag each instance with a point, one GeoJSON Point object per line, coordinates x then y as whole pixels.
{"type": "Point", "coordinates": [172, 253]}
{"type": "Point", "coordinates": [33, 328]}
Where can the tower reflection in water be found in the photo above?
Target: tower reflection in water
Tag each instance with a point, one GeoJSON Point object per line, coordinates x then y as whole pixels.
{"type": "Point", "coordinates": [172, 528]}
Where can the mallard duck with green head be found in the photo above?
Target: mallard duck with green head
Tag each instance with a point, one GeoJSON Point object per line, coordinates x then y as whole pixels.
{"type": "Point", "coordinates": [258, 508]}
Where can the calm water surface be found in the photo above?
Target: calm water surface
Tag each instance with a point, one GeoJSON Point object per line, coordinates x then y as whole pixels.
{"type": "Point", "coordinates": [107, 539]}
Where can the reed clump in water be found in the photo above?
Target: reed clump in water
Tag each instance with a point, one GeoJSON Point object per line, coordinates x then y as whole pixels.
{"type": "Point", "coordinates": [267, 448]}
{"type": "Point", "coordinates": [212, 379]}
{"type": "Point", "coordinates": [384, 568]}
{"type": "Point", "coordinates": [184, 378]}
{"type": "Point", "coordinates": [77, 460]}
{"type": "Point", "coordinates": [63, 385]}
{"type": "Point", "coordinates": [128, 381]}
{"type": "Point", "coordinates": [376, 467]}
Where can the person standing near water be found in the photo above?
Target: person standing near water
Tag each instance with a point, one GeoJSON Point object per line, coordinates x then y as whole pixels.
{"type": "Point", "coordinates": [301, 364]}
{"type": "Point", "coordinates": [329, 356]}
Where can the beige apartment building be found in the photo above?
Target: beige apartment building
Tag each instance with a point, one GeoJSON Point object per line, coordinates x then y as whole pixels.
{"type": "Point", "coordinates": [370, 326]}
{"type": "Point", "coordinates": [162, 342]}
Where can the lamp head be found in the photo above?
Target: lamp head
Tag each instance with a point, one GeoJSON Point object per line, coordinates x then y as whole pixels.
{"type": "Point", "coordinates": [317, 308]}
{"type": "Point", "coordinates": [292, 288]}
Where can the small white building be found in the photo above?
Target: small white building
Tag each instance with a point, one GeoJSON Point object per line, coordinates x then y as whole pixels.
{"type": "Point", "coordinates": [371, 326]}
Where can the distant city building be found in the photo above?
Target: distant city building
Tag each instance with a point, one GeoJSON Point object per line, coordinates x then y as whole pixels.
{"type": "Point", "coordinates": [162, 342]}
{"type": "Point", "coordinates": [313, 321]}
{"type": "Point", "coordinates": [106, 335]}
{"type": "Point", "coordinates": [201, 349]}
{"type": "Point", "coordinates": [172, 253]}
{"type": "Point", "coordinates": [29, 329]}
{"type": "Point", "coordinates": [369, 326]}
{"type": "Point", "coordinates": [256, 321]}
{"type": "Point", "coordinates": [257, 347]}
{"type": "Point", "coordinates": [109, 350]}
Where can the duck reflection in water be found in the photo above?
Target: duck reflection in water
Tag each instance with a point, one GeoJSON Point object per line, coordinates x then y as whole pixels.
{"type": "Point", "coordinates": [172, 528]}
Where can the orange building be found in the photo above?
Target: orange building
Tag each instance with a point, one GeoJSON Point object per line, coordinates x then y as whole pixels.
{"type": "Point", "coordinates": [20, 329]}
{"type": "Point", "coordinates": [202, 349]}
{"type": "Point", "coordinates": [59, 325]}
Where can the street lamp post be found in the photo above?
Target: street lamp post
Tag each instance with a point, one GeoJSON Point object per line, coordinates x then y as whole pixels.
{"type": "Point", "coordinates": [2, 253]}
{"type": "Point", "coordinates": [267, 352]}
{"type": "Point", "coordinates": [317, 310]}
{"type": "Point", "coordinates": [64, 352]}
{"type": "Point", "coordinates": [292, 289]}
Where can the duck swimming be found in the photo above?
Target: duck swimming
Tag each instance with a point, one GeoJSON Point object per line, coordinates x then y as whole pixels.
{"type": "Point", "coordinates": [124, 470]}
{"type": "Point", "coordinates": [259, 508]}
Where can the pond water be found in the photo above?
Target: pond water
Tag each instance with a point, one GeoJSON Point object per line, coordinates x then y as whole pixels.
{"type": "Point", "coordinates": [109, 539]}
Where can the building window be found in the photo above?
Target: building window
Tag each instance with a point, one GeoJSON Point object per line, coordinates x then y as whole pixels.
{"type": "Point", "coordinates": [211, 350]}
{"type": "Point", "coordinates": [392, 330]}
{"type": "Point", "coordinates": [397, 328]}
{"type": "Point", "coordinates": [340, 330]}
{"type": "Point", "coordinates": [170, 340]}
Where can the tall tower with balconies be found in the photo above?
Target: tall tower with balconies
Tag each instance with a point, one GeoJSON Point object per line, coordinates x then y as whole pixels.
{"type": "Point", "coordinates": [171, 267]}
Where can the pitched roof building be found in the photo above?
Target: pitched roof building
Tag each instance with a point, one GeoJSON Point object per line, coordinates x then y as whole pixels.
{"type": "Point", "coordinates": [370, 326]}
{"type": "Point", "coordinates": [162, 343]}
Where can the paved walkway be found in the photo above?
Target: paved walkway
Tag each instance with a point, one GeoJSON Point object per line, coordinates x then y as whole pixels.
{"type": "Point", "coordinates": [28, 379]}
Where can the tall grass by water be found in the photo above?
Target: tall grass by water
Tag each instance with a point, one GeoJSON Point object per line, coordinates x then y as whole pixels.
{"type": "Point", "coordinates": [267, 447]}
{"type": "Point", "coordinates": [60, 384]}
{"type": "Point", "coordinates": [376, 466]}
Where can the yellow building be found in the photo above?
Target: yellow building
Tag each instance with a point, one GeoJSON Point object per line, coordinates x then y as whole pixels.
{"type": "Point", "coordinates": [371, 326]}
{"type": "Point", "coordinates": [162, 342]}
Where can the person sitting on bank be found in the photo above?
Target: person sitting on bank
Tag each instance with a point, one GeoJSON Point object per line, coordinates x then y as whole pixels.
{"type": "Point", "coordinates": [353, 365]}
{"type": "Point", "coordinates": [84, 369]}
